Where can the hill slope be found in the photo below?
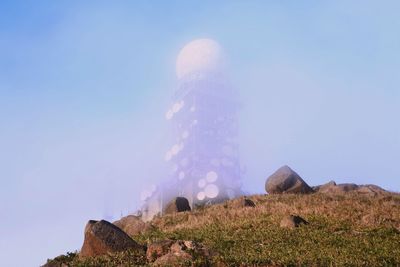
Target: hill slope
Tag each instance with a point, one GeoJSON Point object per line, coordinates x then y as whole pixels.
{"type": "Point", "coordinates": [351, 229]}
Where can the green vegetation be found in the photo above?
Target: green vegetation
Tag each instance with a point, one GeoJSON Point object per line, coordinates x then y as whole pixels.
{"type": "Point", "coordinates": [345, 230]}
{"type": "Point", "coordinates": [126, 258]}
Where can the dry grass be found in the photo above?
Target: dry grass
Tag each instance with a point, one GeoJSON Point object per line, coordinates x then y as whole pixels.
{"type": "Point", "coordinates": [353, 208]}
{"type": "Point", "coordinates": [351, 229]}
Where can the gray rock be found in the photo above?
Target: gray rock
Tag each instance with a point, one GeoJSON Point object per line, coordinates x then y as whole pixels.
{"type": "Point", "coordinates": [320, 188]}
{"type": "Point", "coordinates": [102, 237]}
{"type": "Point", "coordinates": [174, 259]}
{"type": "Point", "coordinates": [372, 190]}
{"type": "Point", "coordinates": [248, 202]}
{"type": "Point", "coordinates": [347, 187]}
{"type": "Point", "coordinates": [285, 180]}
{"type": "Point", "coordinates": [178, 204]}
{"type": "Point", "coordinates": [158, 249]}
{"type": "Point", "coordinates": [333, 188]}
{"type": "Point", "coordinates": [176, 253]}
{"type": "Point", "coordinates": [292, 221]}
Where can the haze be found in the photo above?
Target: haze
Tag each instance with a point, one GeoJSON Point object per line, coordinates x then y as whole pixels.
{"type": "Point", "coordinates": [84, 88]}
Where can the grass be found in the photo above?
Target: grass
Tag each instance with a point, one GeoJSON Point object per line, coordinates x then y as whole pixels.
{"type": "Point", "coordinates": [345, 230]}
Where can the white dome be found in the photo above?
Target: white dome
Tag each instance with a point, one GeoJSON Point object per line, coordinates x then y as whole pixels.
{"type": "Point", "coordinates": [201, 55]}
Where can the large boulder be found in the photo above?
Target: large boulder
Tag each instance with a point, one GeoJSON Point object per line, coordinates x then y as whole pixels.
{"type": "Point", "coordinates": [102, 237]}
{"type": "Point", "coordinates": [178, 204]}
{"type": "Point", "coordinates": [133, 225]}
{"type": "Point", "coordinates": [285, 180]}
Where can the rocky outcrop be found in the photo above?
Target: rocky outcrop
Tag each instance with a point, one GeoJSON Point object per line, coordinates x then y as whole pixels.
{"type": "Point", "coordinates": [133, 225]}
{"type": "Point", "coordinates": [372, 190]}
{"type": "Point", "coordinates": [176, 253]}
{"type": "Point", "coordinates": [178, 204]}
{"type": "Point", "coordinates": [158, 249]}
{"type": "Point", "coordinates": [324, 187]}
{"type": "Point", "coordinates": [102, 237]}
{"type": "Point", "coordinates": [285, 180]}
{"type": "Point", "coordinates": [174, 259]}
{"type": "Point", "coordinates": [292, 221]}
{"type": "Point", "coordinates": [333, 188]}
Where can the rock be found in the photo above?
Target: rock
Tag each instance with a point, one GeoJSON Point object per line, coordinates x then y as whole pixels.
{"type": "Point", "coordinates": [333, 188]}
{"type": "Point", "coordinates": [178, 204]}
{"type": "Point", "coordinates": [347, 187]}
{"type": "Point", "coordinates": [188, 245]}
{"type": "Point", "coordinates": [176, 253]}
{"type": "Point", "coordinates": [158, 249]}
{"type": "Point", "coordinates": [133, 225]}
{"type": "Point", "coordinates": [174, 259]}
{"type": "Point", "coordinates": [240, 202]}
{"type": "Point", "coordinates": [372, 190]}
{"type": "Point", "coordinates": [102, 237]}
{"type": "Point", "coordinates": [248, 202]}
{"type": "Point", "coordinates": [285, 180]}
{"type": "Point", "coordinates": [324, 187]}
{"type": "Point", "coordinates": [292, 221]}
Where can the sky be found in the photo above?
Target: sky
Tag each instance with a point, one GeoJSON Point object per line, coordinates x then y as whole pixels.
{"type": "Point", "coordinates": [84, 86]}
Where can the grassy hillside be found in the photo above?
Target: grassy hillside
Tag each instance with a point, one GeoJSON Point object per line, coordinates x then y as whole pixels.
{"type": "Point", "coordinates": [351, 229]}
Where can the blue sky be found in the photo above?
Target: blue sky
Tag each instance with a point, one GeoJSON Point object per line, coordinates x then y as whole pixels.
{"type": "Point", "coordinates": [84, 87]}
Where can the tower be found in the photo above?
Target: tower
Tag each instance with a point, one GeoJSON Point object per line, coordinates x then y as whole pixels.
{"type": "Point", "coordinates": [203, 117]}
{"type": "Point", "coordinates": [203, 155]}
